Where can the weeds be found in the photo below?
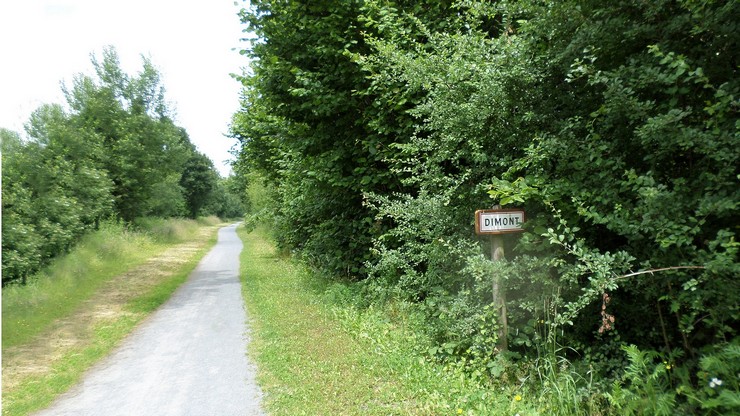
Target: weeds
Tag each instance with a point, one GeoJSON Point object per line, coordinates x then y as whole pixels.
{"type": "Point", "coordinates": [645, 391]}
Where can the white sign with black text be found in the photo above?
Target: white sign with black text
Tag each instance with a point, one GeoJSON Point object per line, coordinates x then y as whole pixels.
{"type": "Point", "coordinates": [499, 221]}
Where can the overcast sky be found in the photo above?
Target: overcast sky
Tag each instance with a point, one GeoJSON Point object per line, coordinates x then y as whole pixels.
{"type": "Point", "coordinates": [193, 43]}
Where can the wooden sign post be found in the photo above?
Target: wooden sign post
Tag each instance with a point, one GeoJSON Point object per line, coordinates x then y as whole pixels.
{"type": "Point", "coordinates": [496, 222]}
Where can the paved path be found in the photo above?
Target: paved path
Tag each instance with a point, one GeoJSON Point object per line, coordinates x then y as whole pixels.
{"type": "Point", "coordinates": [188, 358]}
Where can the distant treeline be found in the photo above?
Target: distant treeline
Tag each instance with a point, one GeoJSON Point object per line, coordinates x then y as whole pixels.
{"type": "Point", "coordinates": [382, 126]}
{"type": "Point", "coordinates": [113, 152]}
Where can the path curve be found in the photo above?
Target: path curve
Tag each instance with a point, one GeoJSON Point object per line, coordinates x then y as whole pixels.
{"type": "Point", "coordinates": [188, 358]}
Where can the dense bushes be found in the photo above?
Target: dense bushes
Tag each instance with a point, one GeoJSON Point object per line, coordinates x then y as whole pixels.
{"type": "Point", "coordinates": [614, 125]}
{"type": "Point", "coordinates": [50, 198]}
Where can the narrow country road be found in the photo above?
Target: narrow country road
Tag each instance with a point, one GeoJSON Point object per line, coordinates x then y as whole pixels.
{"type": "Point", "coordinates": [188, 358]}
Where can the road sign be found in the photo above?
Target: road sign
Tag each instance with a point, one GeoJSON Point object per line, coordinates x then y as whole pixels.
{"type": "Point", "coordinates": [499, 221]}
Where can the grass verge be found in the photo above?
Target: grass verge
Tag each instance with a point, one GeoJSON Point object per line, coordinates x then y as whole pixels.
{"type": "Point", "coordinates": [41, 362]}
{"type": "Point", "coordinates": [62, 287]}
{"type": "Point", "coordinates": [317, 354]}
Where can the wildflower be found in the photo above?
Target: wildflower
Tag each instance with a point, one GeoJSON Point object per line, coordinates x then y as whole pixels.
{"type": "Point", "coordinates": [715, 382]}
{"type": "Point", "coordinates": [459, 411]}
{"type": "Point", "coordinates": [518, 398]}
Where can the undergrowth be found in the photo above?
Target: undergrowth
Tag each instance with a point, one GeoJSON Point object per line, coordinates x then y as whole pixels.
{"type": "Point", "coordinates": [318, 353]}
{"type": "Point", "coordinates": [320, 343]}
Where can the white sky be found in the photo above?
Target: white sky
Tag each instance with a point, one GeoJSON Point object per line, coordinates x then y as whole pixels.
{"type": "Point", "coordinates": [193, 43]}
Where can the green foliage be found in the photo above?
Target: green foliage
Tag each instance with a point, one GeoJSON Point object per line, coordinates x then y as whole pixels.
{"type": "Point", "coordinates": [316, 125]}
{"type": "Point", "coordinates": [648, 392]}
{"type": "Point", "coordinates": [167, 198]}
{"type": "Point", "coordinates": [198, 180]}
{"type": "Point", "coordinates": [128, 117]}
{"type": "Point", "coordinates": [609, 170]}
{"type": "Point", "coordinates": [115, 152]}
{"type": "Point", "coordinates": [614, 125]}
{"type": "Point", "coordinates": [227, 199]}
{"type": "Point", "coordinates": [592, 157]}
{"type": "Point", "coordinates": [53, 192]}
{"type": "Point", "coordinates": [719, 388]}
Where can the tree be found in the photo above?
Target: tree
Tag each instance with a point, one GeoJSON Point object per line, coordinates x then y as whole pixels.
{"type": "Point", "coordinates": [199, 179]}
{"type": "Point", "coordinates": [226, 200]}
{"type": "Point", "coordinates": [116, 153]}
{"type": "Point", "coordinates": [130, 118]}
{"type": "Point", "coordinates": [21, 245]}
{"type": "Point", "coordinates": [319, 127]}
{"type": "Point", "coordinates": [53, 192]}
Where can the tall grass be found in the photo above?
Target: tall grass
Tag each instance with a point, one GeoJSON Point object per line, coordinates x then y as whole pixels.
{"type": "Point", "coordinates": [563, 390]}
{"type": "Point", "coordinates": [61, 287]}
{"type": "Point", "coordinates": [209, 220]}
{"type": "Point", "coordinates": [172, 230]}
